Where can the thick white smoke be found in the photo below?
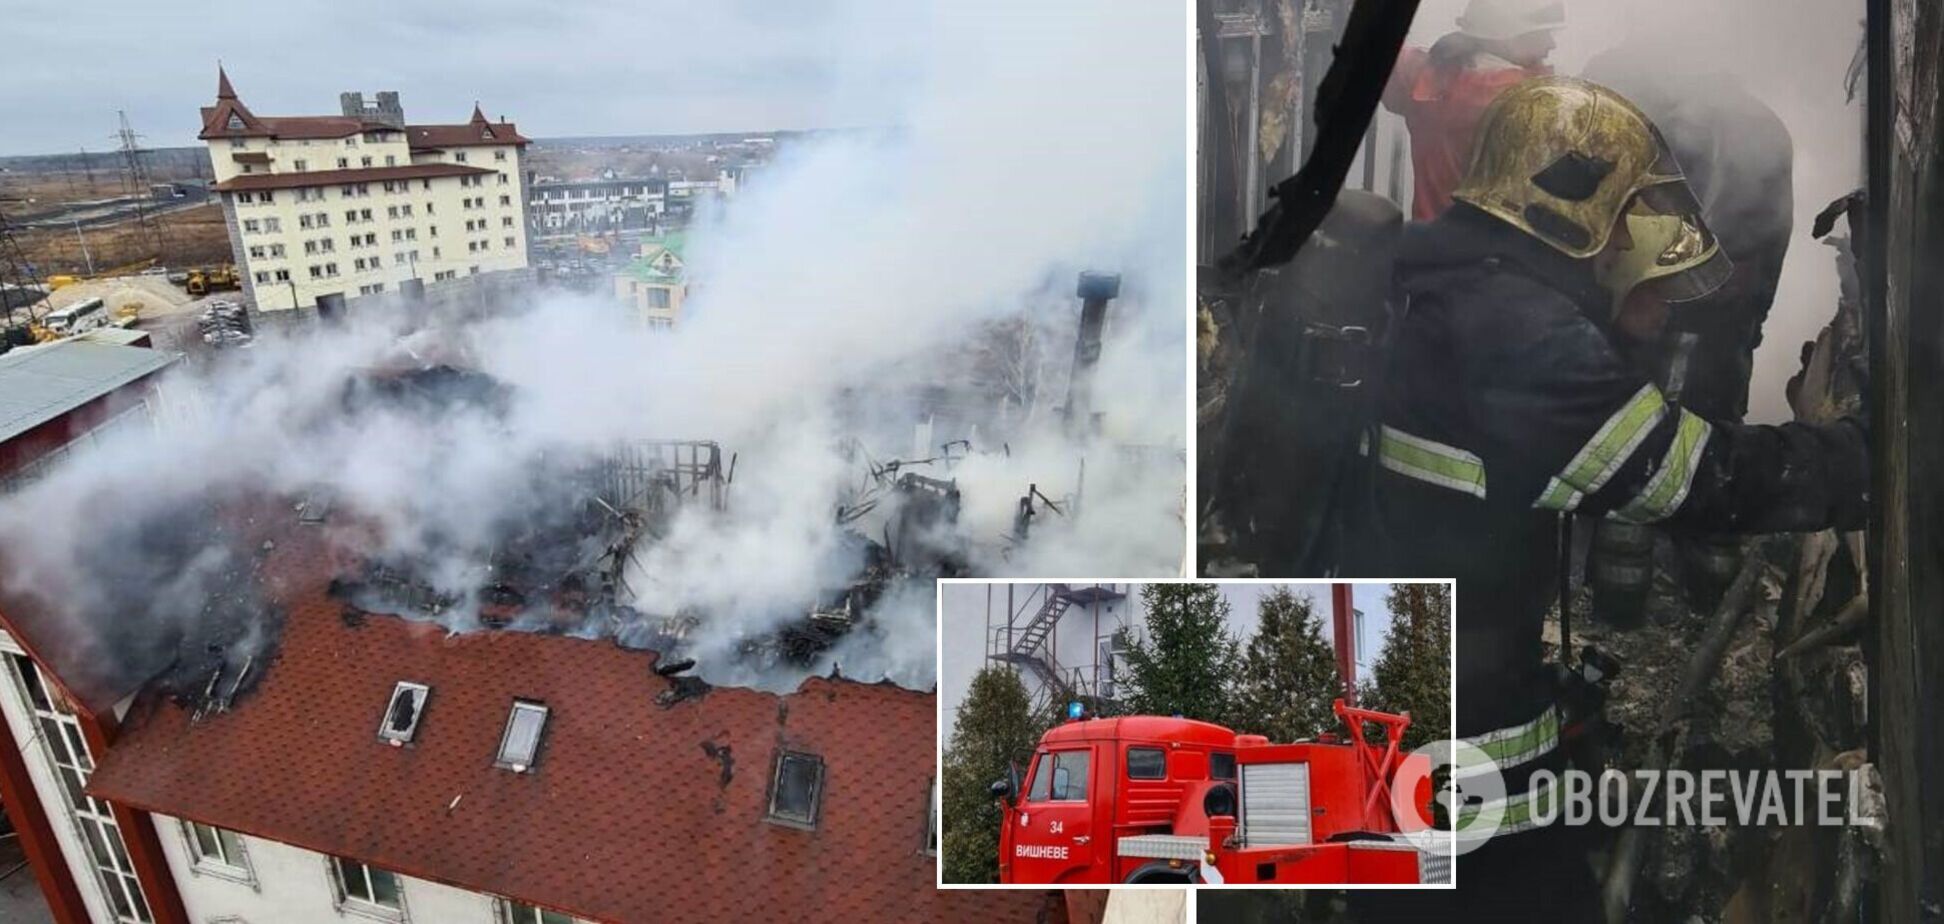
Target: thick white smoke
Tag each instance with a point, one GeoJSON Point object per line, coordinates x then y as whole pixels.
{"type": "Point", "coordinates": [848, 276]}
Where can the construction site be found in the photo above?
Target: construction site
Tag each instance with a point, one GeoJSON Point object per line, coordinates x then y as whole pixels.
{"type": "Point", "coordinates": [128, 239]}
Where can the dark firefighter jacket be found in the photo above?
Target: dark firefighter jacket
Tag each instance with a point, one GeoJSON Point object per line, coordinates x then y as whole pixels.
{"type": "Point", "coordinates": [1506, 404]}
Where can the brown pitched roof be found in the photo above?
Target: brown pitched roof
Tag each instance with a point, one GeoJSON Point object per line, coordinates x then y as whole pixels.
{"type": "Point", "coordinates": [476, 131]}
{"type": "Point", "coordinates": [216, 124]}
{"type": "Point", "coordinates": [633, 811]}
{"type": "Point", "coordinates": [216, 119]}
{"type": "Point", "coordinates": [254, 181]}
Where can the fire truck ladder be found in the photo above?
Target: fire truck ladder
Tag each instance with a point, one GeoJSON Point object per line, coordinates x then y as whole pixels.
{"type": "Point", "coordinates": [1028, 648]}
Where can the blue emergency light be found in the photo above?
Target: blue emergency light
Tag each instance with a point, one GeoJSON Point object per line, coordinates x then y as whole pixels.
{"type": "Point", "coordinates": [1075, 711]}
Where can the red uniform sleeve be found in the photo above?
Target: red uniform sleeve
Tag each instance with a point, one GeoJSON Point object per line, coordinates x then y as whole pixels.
{"type": "Point", "coordinates": [1411, 63]}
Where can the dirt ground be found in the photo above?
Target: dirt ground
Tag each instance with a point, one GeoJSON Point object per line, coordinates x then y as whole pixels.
{"type": "Point", "coordinates": [191, 237]}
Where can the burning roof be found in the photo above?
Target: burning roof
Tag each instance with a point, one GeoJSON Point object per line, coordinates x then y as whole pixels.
{"type": "Point", "coordinates": [685, 783]}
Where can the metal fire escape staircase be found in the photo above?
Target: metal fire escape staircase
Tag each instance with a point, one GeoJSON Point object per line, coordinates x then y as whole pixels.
{"type": "Point", "coordinates": [1028, 649]}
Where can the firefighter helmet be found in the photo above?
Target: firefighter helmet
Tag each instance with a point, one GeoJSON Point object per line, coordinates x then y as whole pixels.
{"type": "Point", "coordinates": [1679, 250]}
{"type": "Point", "coordinates": [1561, 159]}
{"type": "Point", "coordinates": [1501, 20]}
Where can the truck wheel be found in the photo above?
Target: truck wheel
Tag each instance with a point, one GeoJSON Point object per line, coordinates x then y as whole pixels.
{"type": "Point", "coordinates": [1160, 873]}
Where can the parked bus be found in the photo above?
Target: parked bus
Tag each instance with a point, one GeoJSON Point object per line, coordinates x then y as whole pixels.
{"type": "Point", "coordinates": [83, 315]}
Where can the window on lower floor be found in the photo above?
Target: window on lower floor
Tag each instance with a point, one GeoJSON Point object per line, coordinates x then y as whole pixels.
{"type": "Point", "coordinates": [362, 887]}
{"type": "Point", "coordinates": [217, 850]}
{"type": "Point", "coordinates": [512, 912]}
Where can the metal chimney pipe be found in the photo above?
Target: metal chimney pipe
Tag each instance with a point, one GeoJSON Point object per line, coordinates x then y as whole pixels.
{"type": "Point", "coordinates": [1095, 291]}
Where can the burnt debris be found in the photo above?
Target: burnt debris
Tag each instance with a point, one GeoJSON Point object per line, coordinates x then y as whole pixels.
{"type": "Point", "coordinates": [682, 689]}
{"type": "Point", "coordinates": [674, 667]}
{"type": "Point", "coordinates": [720, 753]}
{"type": "Point", "coordinates": [210, 617]}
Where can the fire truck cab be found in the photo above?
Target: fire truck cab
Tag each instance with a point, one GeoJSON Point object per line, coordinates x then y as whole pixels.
{"type": "Point", "coordinates": [1147, 799]}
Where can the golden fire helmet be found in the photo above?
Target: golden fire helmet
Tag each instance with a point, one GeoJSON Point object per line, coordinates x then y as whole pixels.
{"type": "Point", "coordinates": [1561, 159]}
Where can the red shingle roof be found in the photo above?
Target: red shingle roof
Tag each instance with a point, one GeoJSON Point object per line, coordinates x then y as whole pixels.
{"type": "Point", "coordinates": [626, 816]}
{"type": "Point", "coordinates": [253, 181]}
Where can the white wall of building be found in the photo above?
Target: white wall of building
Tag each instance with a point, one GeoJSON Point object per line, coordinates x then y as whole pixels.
{"type": "Point", "coordinates": [431, 242]}
{"type": "Point", "coordinates": [1146, 906]}
{"type": "Point", "coordinates": [595, 208]}
{"type": "Point", "coordinates": [294, 885]}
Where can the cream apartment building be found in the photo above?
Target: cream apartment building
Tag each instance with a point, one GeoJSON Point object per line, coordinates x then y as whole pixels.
{"type": "Point", "coordinates": [323, 210]}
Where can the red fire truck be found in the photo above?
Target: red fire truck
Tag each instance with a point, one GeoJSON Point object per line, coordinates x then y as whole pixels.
{"type": "Point", "coordinates": [1146, 799]}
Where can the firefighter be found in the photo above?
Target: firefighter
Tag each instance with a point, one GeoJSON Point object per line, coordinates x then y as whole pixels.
{"type": "Point", "coordinates": [1513, 401]}
{"type": "Point", "coordinates": [1738, 156]}
{"type": "Point", "coordinates": [1442, 91]}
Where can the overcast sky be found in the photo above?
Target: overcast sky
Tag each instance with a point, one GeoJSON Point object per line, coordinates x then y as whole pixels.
{"type": "Point", "coordinates": [963, 621]}
{"type": "Point", "coordinates": [568, 67]}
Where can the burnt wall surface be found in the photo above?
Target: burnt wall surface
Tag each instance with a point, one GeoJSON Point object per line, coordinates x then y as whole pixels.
{"type": "Point", "coordinates": [1907, 344]}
